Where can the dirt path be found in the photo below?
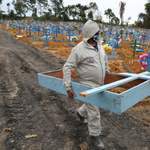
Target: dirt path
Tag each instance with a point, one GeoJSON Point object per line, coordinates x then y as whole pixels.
{"type": "Point", "coordinates": [35, 118]}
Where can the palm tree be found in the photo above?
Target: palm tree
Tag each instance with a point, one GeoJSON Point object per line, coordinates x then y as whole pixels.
{"type": "Point", "coordinates": [122, 10]}
{"type": "Point", "coordinates": [1, 1]}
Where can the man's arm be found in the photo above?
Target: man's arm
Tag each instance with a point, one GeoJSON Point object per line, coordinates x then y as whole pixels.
{"type": "Point", "coordinates": [71, 64]}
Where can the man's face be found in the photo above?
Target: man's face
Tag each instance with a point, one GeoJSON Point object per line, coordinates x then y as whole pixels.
{"type": "Point", "coordinates": [96, 37]}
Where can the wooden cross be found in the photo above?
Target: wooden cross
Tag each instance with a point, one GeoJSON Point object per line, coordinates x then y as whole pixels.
{"type": "Point", "coordinates": [112, 43]}
{"type": "Point", "coordinates": [130, 76]}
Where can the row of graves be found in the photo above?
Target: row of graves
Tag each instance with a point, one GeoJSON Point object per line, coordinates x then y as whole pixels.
{"type": "Point", "coordinates": [49, 31]}
{"type": "Point", "coordinates": [120, 43]}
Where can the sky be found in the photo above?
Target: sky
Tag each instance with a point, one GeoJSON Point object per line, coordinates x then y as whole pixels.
{"type": "Point", "coordinates": [132, 7]}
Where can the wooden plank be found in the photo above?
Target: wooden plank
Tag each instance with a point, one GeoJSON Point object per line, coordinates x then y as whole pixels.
{"type": "Point", "coordinates": [144, 60]}
{"type": "Point", "coordinates": [107, 86]}
{"type": "Point", "coordinates": [127, 67]}
{"type": "Point", "coordinates": [144, 73]}
{"type": "Point", "coordinates": [144, 77]}
{"type": "Point", "coordinates": [112, 56]}
{"type": "Point", "coordinates": [134, 95]}
{"type": "Point", "coordinates": [125, 74]}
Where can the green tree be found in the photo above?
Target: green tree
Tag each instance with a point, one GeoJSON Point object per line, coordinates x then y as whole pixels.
{"type": "Point", "coordinates": [12, 14]}
{"type": "Point", "coordinates": [31, 5]}
{"type": "Point", "coordinates": [142, 20]}
{"type": "Point", "coordinates": [34, 14]}
{"type": "Point", "coordinates": [65, 16]}
{"type": "Point", "coordinates": [47, 15]}
{"type": "Point", "coordinates": [1, 2]}
{"type": "Point", "coordinates": [90, 15]}
{"type": "Point", "coordinates": [92, 9]}
{"type": "Point", "coordinates": [50, 11]}
{"type": "Point", "coordinates": [147, 17]}
{"type": "Point", "coordinates": [127, 22]}
{"type": "Point", "coordinates": [20, 7]}
{"type": "Point", "coordinates": [109, 14]}
{"type": "Point", "coordinates": [8, 4]}
{"type": "Point", "coordinates": [93, 6]}
{"type": "Point", "coordinates": [147, 8]}
{"type": "Point", "coordinates": [99, 17]}
{"type": "Point", "coordinates": [115, 20]}
{"type": "Point", "coordinates": [72, 11]}
{"type": "Point", "coordinates": [42, 5]}
{"type": "Point", "coordinates": [81, 12]}
{"type": "Point", "coordinates": [0, 8]}
{"type": "Point", "coordinates": [57, 7]}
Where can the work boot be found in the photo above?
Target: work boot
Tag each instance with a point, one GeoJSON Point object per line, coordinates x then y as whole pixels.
{"type": "Point", "coordinates": [98, 144]}
{"type": "Point", "coordinates": [82, 119]}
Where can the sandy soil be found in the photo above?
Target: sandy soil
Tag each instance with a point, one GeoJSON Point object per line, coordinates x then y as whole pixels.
{"type": "Point", "coordinates": [35, 118]}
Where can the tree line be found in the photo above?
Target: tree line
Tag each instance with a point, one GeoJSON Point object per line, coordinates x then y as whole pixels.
{"type": "Point", "coordinates": [53, 10]}
{"type": "Point", "coordinates": [144, 18]}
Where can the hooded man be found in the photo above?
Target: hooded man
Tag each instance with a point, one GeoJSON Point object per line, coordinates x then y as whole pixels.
{"type": "Point", "coordinates": [90, 61]}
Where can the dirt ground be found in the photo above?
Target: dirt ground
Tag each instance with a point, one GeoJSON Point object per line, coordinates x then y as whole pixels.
{"type": "Point", "coordinates": [35, 118]}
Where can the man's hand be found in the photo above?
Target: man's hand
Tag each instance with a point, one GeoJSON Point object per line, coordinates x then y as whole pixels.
{"type": "Point", "coordinates": [71, 94]}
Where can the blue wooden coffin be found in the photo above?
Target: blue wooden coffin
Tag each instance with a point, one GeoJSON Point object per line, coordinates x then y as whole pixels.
{"type": "Point", "coordinates": [137, 87]}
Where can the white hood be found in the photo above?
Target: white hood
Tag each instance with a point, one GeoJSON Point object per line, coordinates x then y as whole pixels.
{"type": "Point", "coordinates": [89, 30]}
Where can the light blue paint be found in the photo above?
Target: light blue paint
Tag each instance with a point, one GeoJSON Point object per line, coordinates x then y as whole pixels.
{"type": "Point", "coordinates": [112, 43]}
{"type": "Point", "coordinates": [126, 67]}
{"type": "Point", "coordinates": [117, 103]}
{"type": "Point", "coordinates": [110, 85]}
{"type": "Point", "coordinates": [106, 100]}
{"type": "Point", "coordinates": [134, 95]}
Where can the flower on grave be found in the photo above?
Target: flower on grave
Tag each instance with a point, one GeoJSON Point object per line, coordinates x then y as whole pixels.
{"type": "Point", "coordinates": [75, 38]}
{"type": "Point", "coordinates": [75, 27]}
{"type": "Point", "coordinates": [107, 47]}
{"type": "Point", "coordinates": [102, 34]}
{"type": "Point", "coordinates": [122, 30]}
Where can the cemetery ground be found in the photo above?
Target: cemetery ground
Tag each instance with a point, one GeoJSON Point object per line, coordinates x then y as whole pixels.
{"type": "Point", "coordinates": [36, 118]}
